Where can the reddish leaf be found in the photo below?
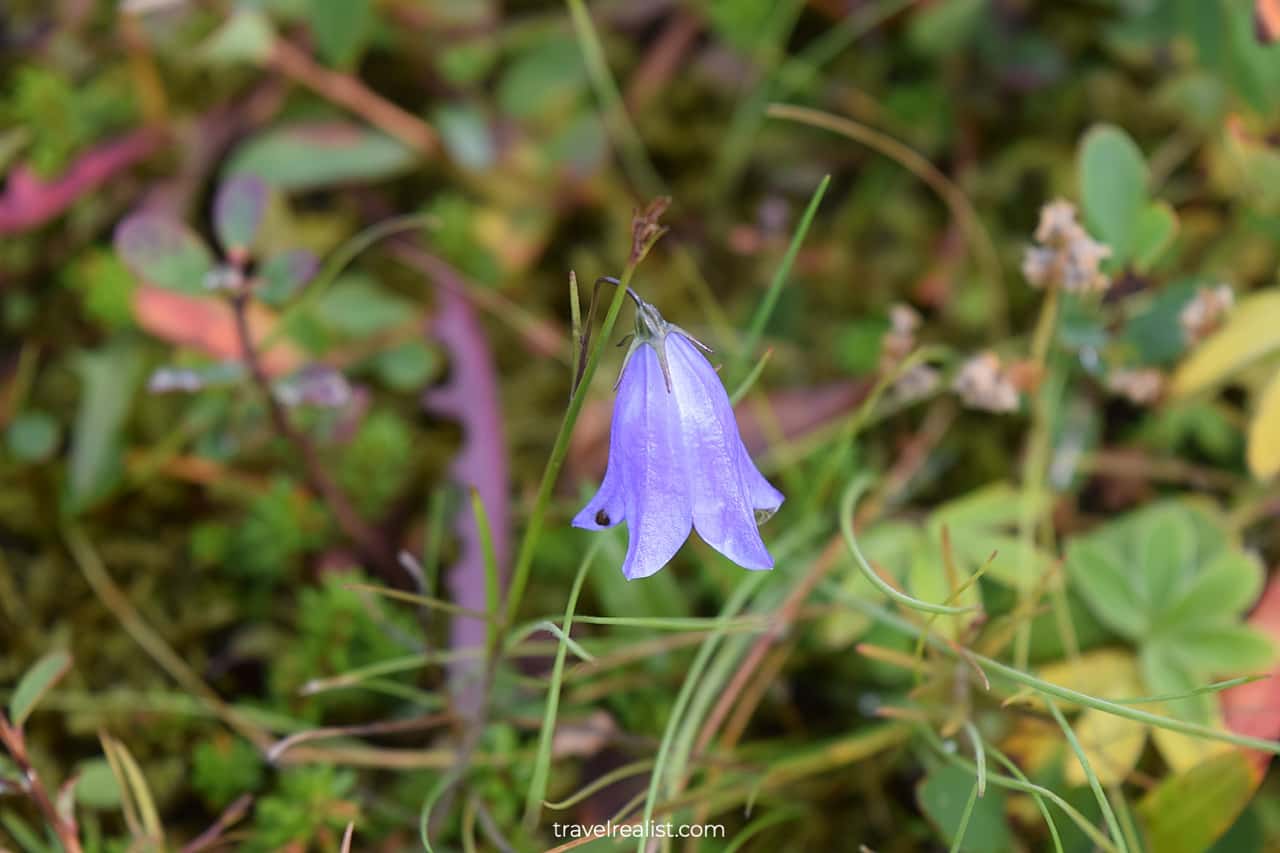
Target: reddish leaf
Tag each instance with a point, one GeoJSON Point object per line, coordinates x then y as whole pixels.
{"type": "Point", "coordinates": [207, 324]}
{"type": "Point", "coordinates": [1254, 709]}
{"type": "Point", "coordinates": [29, 202]}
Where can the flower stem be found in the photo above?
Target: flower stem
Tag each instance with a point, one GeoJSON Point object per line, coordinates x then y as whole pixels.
{"type": "Point", "coordinates": [524, 558]}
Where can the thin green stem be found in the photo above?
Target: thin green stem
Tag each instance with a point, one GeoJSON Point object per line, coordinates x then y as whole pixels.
{"type": "Point", "coordinates": [634, 158]}
{"type": "Point", "coordinates": [338, 261]}
{"type": "Point", "coordinates": [1108, 814]}
{"type": "Point", "coordinates": [1022, 785]}
{"type": "Point", "coordinates": [734, 604]}
{"type": "Point", "coordinates": [492, 584]}
{"type": "Point", "coordinates": [995, 667]}
{"type": "Point", "coordinates": [533, 532]}
{"type": "Point", "coordinates": [1034, 479]}
{"type": "Point", "coordinates": [1016, 772]}
{"type": "Point", "coordinates": [856, 487]}
{"type": "Point", "coordinates": [965, 816]}
{"type": "Point", "coordinates": [542, 762]}
{"type": "Point", "coordinates": [770, 300]}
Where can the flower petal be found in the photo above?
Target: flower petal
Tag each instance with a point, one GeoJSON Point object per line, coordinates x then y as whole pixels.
{"type": "Point", "coordinates": [760, 492]}
{"type": "Point", "coordinates": [607, 508]}
{"type": "Point", "coordinates": [722, 510]}
{"type": "Point", "coordinates": [655, 481]}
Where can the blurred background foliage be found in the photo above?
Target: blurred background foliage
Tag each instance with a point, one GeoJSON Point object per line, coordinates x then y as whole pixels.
{"type": "Point", "coordinates": [408, 182]}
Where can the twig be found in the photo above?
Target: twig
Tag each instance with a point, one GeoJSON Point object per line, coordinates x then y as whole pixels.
{"type": "Point", "coordinates": [347, 91]}
{"type": "Point", "coordinates": [16, 744]}
{"type": "Point", "coordinates": [230, 816]}
{"type": "Point", "coordinates": [371, 547]}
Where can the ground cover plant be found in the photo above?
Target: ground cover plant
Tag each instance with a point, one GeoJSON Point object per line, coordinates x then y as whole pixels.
{"type": "Point", "coordinates": [667, 425]}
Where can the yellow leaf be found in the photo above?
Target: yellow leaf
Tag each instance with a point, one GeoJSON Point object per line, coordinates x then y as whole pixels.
{"type": "Point", "coordinates": [1112, 744]}
{"type": "Point", "coordinates": [1251, 332]}
{"type": "Point", "coordinates": [1264, 432]}
{"type": "Point", "coordinates": [1189, 811]}
{"type": "Point", "coordinates": [1182, 752]}
{"type": "Point", "coordinates": [1105, 673]}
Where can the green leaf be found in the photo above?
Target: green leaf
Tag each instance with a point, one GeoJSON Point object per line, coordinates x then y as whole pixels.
{"type": "Point", "coordinates": [1223, 650]}
{"type": "Point", "coordinates": [237, 212]}
{"type": "Point", "coordinates": [355, 306]}
{"type": "Point", "coordinates": [1219, 593]}
{"type": "Point", "coordinates": [1102, 575]}
{"type": "Point", "coordinates": [1113, 188]}
{"type": "Point", "coordinates": [108, 379]}
{"type": "Point", "coordinates": [306, 155]}
{"type": "Point", "coordinates": [283, 274]}
{"type": "Point", "coordinates": [1166, 553]}
{"type": "Point", "coordinates": [1251, 332]}
{"type": "Point", "coordinates": [164, 252]}
{"type": "Point", "coordinates": [942, 797]}
{"type": "Point", "coordinates": [1156, 228]}
{"type": "Point", "coordinates": [245, 37]}
{"type": "Point", "coordinates": [407, 367]}
{"type": "Point", "coordinates": [341, 28]}
{"type": "Point", "coordinates": [97, 787]}
{"type": "Point", "coordinates": [1186, 813]}
{"type": "Point", "coordinates": [547, 77]}
{"type": "Point", "coordinates": [940, 29]}
{"type": "Point", "coordinates": [42, 675]}
{"type": "Point", "coordinates": [983, 523]}
{"type": "Point", "coordinates": [466, 134]}
{"type": "Point", "coordinates": [32, 436]}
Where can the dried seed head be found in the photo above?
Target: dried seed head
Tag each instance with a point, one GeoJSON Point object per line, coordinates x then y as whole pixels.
{"type": "Point", "coordinates": [984, 383]}
{"type": "Point", "coordinates": [1205, 313]}
{"type": "Point", "coordinates": [1067, 256]}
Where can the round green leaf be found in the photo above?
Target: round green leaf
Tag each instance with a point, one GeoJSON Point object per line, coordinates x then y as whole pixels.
{"type": "Point", "coordinates": [32, 437]}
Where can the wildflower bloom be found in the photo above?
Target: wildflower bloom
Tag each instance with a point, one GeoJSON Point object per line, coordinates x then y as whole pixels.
{"type": "Point", "coordinates": [676, 459]}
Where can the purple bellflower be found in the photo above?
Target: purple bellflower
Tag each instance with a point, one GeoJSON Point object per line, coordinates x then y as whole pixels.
{"type": "Point", "coordinates": [676, 459]}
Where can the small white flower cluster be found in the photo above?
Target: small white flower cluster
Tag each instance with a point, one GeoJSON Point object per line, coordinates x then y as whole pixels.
{"type": "Point", "coordinates": [900, 340]}
{"type": "Point", "coordinates": [918, 382]}
{"type": "Point", "coordinates": [1204, 314]}
{"type": "Point", "coordinates": [1067, 256]}
{"type": "Point", "coordinates": [1139, 385]}
{"type": "Point", "coordinates": [984, 383]}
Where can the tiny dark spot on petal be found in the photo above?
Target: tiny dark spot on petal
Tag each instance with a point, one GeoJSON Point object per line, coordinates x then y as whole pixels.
{"type": "Point", "coordinates": [602, 518]}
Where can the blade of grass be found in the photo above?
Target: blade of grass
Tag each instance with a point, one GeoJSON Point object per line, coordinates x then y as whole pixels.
{"type": "Point", "coordinates": [770, 299]}
{"type": "Point", "coordinates": [736, 601]}
{"type": "Point", "coordinates": [748, 114]}
{"type": "Point", "coordinates": [547, 625]}
{"type": "Point", "coordinates": [626, 771]}
{"type": "Point", "coordinates": [847, 503]}
{"type": "Point", "coordinates": [635, 160]}
{"type": "Point", "coordinates": [965, 816]}
{"type": "Point", "coordinates": [744, 387]}
{"type": "Point", "coordinates": [1104, 804]}
{"type": "Point", "coordinates": [1013, 784]}
{"type": "Point", "coordinates": [420, 600]}
{"type": "Point", "coordinates": [980, 242]}
{"type": "Point", "coordinates": [116, 601]}
{"type": "Point", "coordinates": [542, 761]}
{"type": "Point", "coordinates": [1017, 773]}
{"type": "Point", "coordinates": [760, 824]}
{"type": "Point", "coordinates": [492, 583]}
{"type": "Point", "coordinates": [979, 755]}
